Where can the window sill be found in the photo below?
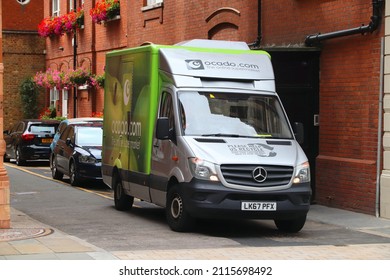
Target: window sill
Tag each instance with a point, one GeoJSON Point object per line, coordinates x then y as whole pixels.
{"type": "Point", "coordinates": [104, 22]}
{"type": "Point", "coordinates": [152, 7]}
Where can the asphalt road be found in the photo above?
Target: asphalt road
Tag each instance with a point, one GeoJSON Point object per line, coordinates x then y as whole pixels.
{"type": "Point", "coordinates": [88, 213]}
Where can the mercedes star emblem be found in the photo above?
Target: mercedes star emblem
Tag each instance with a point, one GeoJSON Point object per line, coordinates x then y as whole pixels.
{"type": "Point", "coordinates": [259, 174]}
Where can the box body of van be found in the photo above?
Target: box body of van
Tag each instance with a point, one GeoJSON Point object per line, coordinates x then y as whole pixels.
{"type": "Point", "coordinates": [198, 128]}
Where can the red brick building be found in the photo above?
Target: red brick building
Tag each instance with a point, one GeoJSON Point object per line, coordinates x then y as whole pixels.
{"type": "Point", "coordinates": [23, 51]}
{"type": "Point", "coordinates": [332, 85]}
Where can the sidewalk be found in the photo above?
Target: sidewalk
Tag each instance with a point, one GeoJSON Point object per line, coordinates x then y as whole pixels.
{"type": "Point", "coordinates": [29, 239]}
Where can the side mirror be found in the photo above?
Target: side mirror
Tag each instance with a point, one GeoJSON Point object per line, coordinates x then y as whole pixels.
{"type": "Point", "coordinates": [299, 132]}
{"type": "Point", "coordinates": [68, 142]}
{"type": "Point", "coordinates": [162, 128]}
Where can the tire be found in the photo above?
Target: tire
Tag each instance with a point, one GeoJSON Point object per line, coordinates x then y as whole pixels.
{"type": "Point", "coordinates": [122, 201]}
{"type": "Point", "coordinates": [73, 176]}
{"type": "Point", "coordinates": [177, 217]}
{"type": "Point", "coordinates": [54, 171]}
{"type": "Point", "coordinates": [18, 157]}
{"type": "Point", "coordinates": [6, 159]}
{"type": "Point", "coordinates": [291, 226]}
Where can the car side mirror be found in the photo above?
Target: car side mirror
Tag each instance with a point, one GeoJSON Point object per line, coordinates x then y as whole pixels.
{"type": "Point", "coordinates": [299, 132]}
{"type": "Point", "coordinates": [162, 128]}
{"type": "Point", "coordinates": [68, 142]}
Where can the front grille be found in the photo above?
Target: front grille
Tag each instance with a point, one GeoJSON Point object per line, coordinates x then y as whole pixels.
{"type": "Point", "coordinates": [242, 175]}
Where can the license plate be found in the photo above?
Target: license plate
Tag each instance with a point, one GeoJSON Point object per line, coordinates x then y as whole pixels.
{"type": "Point", "coordinates": [258, 206]}
{"type": "Point", "coordinates": [46, 140]}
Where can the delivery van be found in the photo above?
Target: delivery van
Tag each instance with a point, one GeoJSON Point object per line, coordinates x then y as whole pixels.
{"type": "Point", "coordinates": [197, 128]}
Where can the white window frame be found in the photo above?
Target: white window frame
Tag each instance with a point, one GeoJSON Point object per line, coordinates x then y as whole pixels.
{"type": "Point", "coordinates": [54, 96]}
{"type": "Point", "coordinates": [71, 2]}
{"type": "Point", "coordinates": [65, 97]}
{"type": "Point", "coordinates": [153, 2]}
{"type": "Point", "coordinates": [55, 8]}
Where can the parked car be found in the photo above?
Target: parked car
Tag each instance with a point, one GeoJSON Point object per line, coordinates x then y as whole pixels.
{"type": "Point", "coordinates": [64, 124]}
{"type": "Point", "coordinates": [29, 139]}
{"type": "Point", "coordinates": [77, 152]}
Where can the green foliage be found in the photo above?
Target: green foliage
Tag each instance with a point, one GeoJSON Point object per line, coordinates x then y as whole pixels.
{"type": "Point", "coordinates": [50, 114]}
{"type": "Point", "coordinates": [29, 93]}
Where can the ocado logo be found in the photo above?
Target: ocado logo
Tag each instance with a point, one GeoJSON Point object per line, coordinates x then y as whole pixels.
{"type": "Point", "coordinates": [194, 64]}
{"type": "Point", "coordinates": [126, 92]}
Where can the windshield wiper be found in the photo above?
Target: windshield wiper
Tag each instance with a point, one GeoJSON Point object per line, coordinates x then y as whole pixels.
{"type": "Point", "coordinates": [221, 135]}
{"type": "Point", "coordinates": [243, 136]}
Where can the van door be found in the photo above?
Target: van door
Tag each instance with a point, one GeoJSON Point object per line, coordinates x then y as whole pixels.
{"type": "Point", "coordinates": [163, 153]}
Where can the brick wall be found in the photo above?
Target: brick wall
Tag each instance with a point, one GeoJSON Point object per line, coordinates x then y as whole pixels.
{"type": "Point", "coordinates": [21, 17]}
{"type": "Point", "coordinates": [22, 57]}
{"type": "Point", "coordinates": [349, 89]}
{"type": "Point", "coordinates": [22, 52]}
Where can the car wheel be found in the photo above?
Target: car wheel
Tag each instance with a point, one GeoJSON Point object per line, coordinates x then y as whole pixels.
{"type": "Point", "coordinates": [177, 217]}
{"type": "Point", "coordinates": [291, 226]}
{"type": "Point", "coordinates": [54, 171]}
{"type": "Point", "coordinates": [18, 157]}
{"type": "Point", "coordinates": [121, 199]}
{"type": "Point", "coordinates": [6, 159]}
{"type": "Point", "coordinates": [73, 176]}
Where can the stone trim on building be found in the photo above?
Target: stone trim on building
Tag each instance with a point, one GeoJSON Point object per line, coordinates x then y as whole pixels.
{"type": "Point", "coordinates": [384, 201]}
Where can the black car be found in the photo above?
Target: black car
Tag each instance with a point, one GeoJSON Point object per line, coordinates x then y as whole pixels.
{"type": "Point", "coordinates": [29, 139]}
{"type": "Point", "coordinates": [77, 153]}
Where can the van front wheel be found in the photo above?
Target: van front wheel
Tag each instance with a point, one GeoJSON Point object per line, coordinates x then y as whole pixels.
{"type": "Point", "coordinates": [291, 226]}
{"type": "Point", "coordinates": [177, 217]}
{"type": "Point", "coordinates": [122, 201]}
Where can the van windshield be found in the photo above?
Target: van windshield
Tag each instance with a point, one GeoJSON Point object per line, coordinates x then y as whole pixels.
{"type": "Point", "coordinates": [232, 115]}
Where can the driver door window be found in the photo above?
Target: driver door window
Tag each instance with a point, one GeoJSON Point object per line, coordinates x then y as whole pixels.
{"type": "Point", "coordinates": [166, 110]}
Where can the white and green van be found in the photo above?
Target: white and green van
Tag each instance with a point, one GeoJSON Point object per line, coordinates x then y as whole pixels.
{"type": "Point", "coordinates": [198, 128]}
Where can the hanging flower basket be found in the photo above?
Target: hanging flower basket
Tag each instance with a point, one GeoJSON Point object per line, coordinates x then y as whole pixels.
{"type": "Point", "coordinates": [52, 78]}
{"type": "Point", "coordinates": [66, 80]}
{"type": "Point", "coordinates": [58, 26]}
{"type": "Point", "coordinates": [79, 77]}
{"type": "Point", "coordinates": [105, 10]}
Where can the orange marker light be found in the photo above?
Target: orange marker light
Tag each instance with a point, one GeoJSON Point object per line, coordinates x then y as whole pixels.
{"type": "Point", "coordinates": [175, 158]}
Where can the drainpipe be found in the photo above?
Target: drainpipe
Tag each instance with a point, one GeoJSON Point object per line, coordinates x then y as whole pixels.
{"type": "Point", "coordinates": [256, 44]}
{"type": "Point", "coordinates": [377, 6]}
{"type": "Point", "coordinates": [93, 55]}
{"type": "Point", "coordinates": [74, 65]}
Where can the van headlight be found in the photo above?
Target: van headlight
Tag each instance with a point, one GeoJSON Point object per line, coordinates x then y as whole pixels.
{"type": "Point", "coordinates": [202, 169]}
{"type": "Point", "coordinates": [302, 173]}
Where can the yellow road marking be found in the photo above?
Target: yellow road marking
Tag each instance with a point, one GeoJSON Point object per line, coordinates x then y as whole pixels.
{"type": "Point", "coordinates": [54, 180]}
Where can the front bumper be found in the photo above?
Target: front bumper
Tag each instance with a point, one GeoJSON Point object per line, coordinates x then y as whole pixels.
{"type": "Point", "coordinates": [205, 199]}
{"type": "Point", "coordinates": [87, 171]}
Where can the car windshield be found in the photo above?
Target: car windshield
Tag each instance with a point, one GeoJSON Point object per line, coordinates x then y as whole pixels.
{"type": "Point", "coordinates": [42, 128]}
{"type": "Point", "coordinates": [89, 136]}
{"type": "Point", "coordinates": [232, 115]}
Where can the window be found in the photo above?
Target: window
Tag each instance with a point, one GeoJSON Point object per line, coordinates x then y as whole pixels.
{"type": "Point", "coordinates": [38, 128]}
{"type": "Point", "coordinates": [54, 96]}
{"type": "Point", "coordinates": [78, 4]}
{"type": "Point", "coordinates": [238, 114]}
{"type": "Point", "coordinates": [152, 2]}
{"type": "Point", "coordinates": [65, 103]}
{"type": "Point", "coordinates": [23, 2]}
{"type": "Point", "coordinates": [68, 133]}
{"type": "Point", "coordinates": [166, 109]}
{"type": "Point", "coordinates": [55, 8]}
